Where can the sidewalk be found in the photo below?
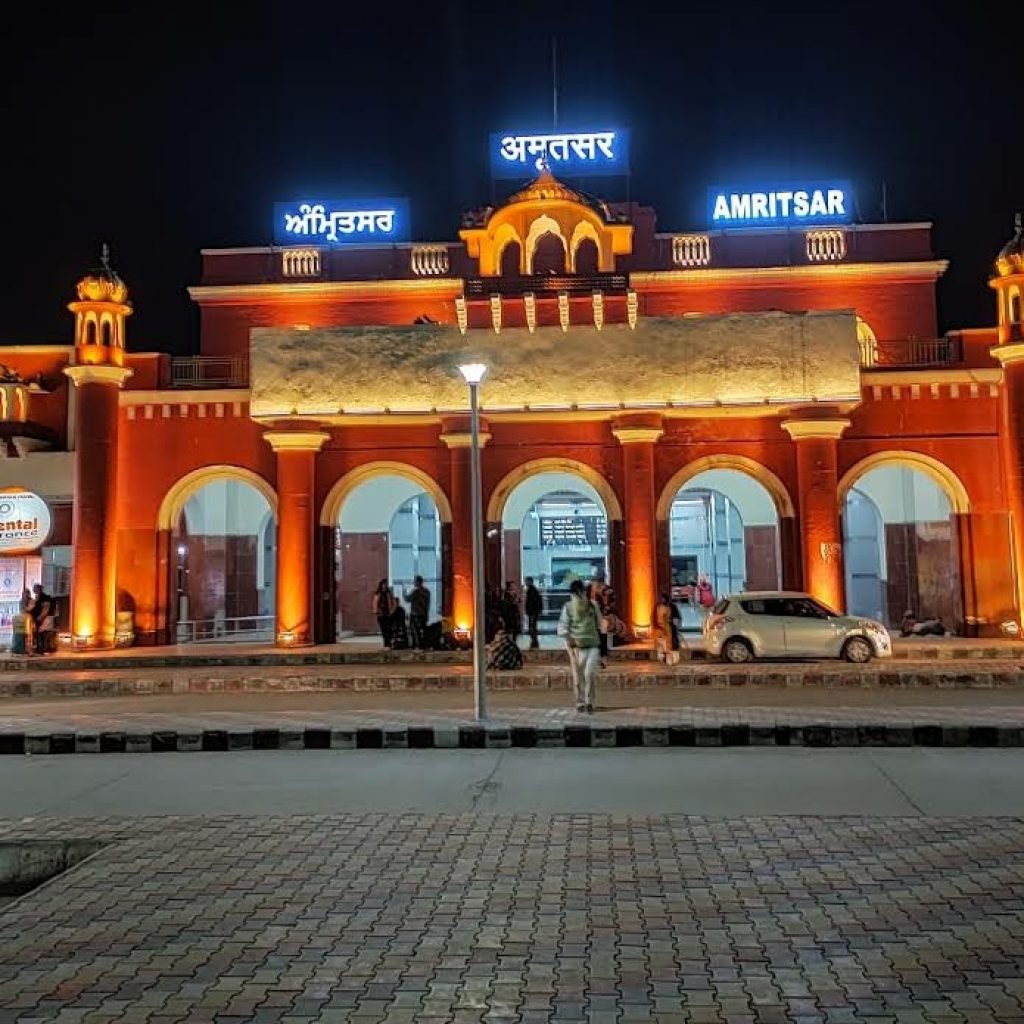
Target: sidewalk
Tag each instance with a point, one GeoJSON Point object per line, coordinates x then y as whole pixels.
{"type": "Point", "coordinates": [807, 716]}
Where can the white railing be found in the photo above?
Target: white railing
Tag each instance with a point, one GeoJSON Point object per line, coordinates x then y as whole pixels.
{"type": "Point", "coordinates": [691, 250]}
{"type": "Point", "coordinates": [248, 629]}
{"type": "Point", "coordinates": [429, 260]}
{"type": "Point", "coordinates": [300, 262]}
{"type": "Point", "coordinates": [826, 246]}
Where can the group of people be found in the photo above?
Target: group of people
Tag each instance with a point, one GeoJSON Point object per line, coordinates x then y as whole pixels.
{"type": "Point", "coordinates": [398, 630]}
{"type": "Point", "coordinates": [668, 619]}
{"type": "Point", "coordinates": [35, 626]}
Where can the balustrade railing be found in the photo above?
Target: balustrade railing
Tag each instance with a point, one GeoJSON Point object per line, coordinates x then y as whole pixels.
{"type": "Point", "coordinates": [910, 353]}
{"type": "Point", "coordinates": [245, 630]}
{"type": "Point", "coordinates": [210, 372]}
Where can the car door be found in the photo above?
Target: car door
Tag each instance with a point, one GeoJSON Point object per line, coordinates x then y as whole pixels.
{"type": "Point", "coordinates": [764, 624]}
{"type": "Point", "coordinates": [809, 633]}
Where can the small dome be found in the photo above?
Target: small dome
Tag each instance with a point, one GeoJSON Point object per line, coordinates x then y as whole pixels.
{"type": "Point", "coordinates": [1011, 257]}
{"type": "Point", "coordinates": [547, 186]}
{"type": "Point", "coordinates": [103, 284]}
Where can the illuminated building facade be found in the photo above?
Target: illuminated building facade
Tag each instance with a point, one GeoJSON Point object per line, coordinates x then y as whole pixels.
{"type": "Point", "coordinates": [767, 406]}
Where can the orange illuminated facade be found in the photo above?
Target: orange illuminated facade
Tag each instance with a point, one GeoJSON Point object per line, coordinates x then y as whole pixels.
{"type": "Point", "coordinates": [702, 319]}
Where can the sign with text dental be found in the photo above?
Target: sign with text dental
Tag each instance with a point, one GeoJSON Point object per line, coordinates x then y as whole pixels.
{"type": "Point", "coordinates": [341, 222]}
{"type": "Point", "coordinates": [579, 154]}
{"type": "Point", "coordinates": [24, 521]}
{"type": "Point", "coordinates": [826, 203]}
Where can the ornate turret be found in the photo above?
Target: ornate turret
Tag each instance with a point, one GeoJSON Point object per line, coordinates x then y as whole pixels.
{"type": "Point", "coordinates": [100, 313]}
{"type": "Point", "coordinates": [1010, 260]}
{"type": "Point", "coordinates": [546, 207]}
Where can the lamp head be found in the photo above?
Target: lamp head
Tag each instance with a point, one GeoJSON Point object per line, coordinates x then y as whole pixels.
{"type": "Point", "coordinates": [473, 373]}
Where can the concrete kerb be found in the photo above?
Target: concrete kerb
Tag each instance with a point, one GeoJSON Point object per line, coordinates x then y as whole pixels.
{"type": "Point", "coordinates": [460, 736]}
{"type": "Point", "coordinates": [935, 675]}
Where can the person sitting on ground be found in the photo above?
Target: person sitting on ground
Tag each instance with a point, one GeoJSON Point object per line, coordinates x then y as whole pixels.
{"type": "Point", "coordinates": [910, 626]}
{"type": "Point", "coordinates": [503, 653]}
{"type": "Point", "coordinates": [399, 629]}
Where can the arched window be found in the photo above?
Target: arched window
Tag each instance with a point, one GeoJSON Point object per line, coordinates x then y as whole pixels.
{"type": "Point", "coordinates": [511, 256]}
{"type": "Point", "coordinates": [1016, 315]}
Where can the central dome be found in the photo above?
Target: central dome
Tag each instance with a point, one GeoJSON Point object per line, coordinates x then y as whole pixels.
{"type": "Point", "coordinates": [547, 187]}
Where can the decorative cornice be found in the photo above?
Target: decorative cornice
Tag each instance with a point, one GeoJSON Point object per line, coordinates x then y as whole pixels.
{"type": "Point", "coordinates": [185, 396]}
{"type": "Point", "coordinates": [85, 373]}
{"type": "Point", "coordinates": [637, 435]}
{"type": "Point", "coordinates": [296, 440]}
{"type": "Point", "coordinates": [801, 430]}
{"type": "Point", "coordinates": [1008, 354]}
{"type": "Point", "coordinates": [963, 375]}
{"type": "Point", "coordinates": [465, 439]}
{"type": "Point", "coordinates": [305, 290]}
{"type": "Point", "coordinates": [917, 269]}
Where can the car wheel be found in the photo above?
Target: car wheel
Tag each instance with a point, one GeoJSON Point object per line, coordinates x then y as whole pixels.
{"type": "Point", "coordinates": [858, 650]}
{"type": "Point", "coordinates": [736, 651]}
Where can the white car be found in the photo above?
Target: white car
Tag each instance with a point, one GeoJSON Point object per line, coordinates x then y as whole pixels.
{"type": "Point", "coordinates": [787, 624]}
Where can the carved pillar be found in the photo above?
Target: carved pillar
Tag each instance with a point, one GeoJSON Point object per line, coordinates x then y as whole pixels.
{"type": "Point", "coordinates": [817, 478]}
{"type": "Point", "coordinates": [456, 436]}
{"type": "Point", "coordinates": [1011, 442]}
{"type": "Point", "coordinates": [296, 470]}
{"type": "Point", "coordinates": [638, 438]}
{"type": "Point", "coordinates": [94, 527]}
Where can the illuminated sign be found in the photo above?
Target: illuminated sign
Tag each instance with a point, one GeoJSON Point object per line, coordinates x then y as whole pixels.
{"type": "Point", "coordinates": [566, 153]}
{"type": "Point", "coordinates": [341, 222]}
{"type": "Point", "coordinates": [573, 531]}
{"type": "Point", "coordinates": [24, 521]}
{"type": "Point", "coordinates": [812, 203]}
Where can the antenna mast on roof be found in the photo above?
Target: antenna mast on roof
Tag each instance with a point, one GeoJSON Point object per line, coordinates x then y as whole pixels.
{"type": "Point", "coordinates": [554, 84]}
{"type": "Point", "coordinates": [885, 204]}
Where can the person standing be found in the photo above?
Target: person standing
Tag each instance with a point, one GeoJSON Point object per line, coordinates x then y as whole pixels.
{"type": "Point", "coordinates": [511, 612]}
{"type": "Point", "coordinates": [666, 619]}
{"type": "Point", "coordinates": [534, 605]}
{"type": "Point", "coordinates": [42, 605]}
{"type": "Point", "coordinates": [419, 612]}
{"type": "Point", "coordinates": [383, 609]}
{"type": "Point", "coordinates": [578, 625]}
{"type": "Point", "coordinates": [705, 597]}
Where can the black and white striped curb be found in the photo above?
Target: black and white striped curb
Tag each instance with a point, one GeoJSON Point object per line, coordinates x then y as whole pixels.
{"type": "Point", "coordinates": [479, 737]}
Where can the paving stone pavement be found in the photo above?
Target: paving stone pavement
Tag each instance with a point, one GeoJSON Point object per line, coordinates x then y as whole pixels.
{"type": "Point", "coordinates": [419, 919]}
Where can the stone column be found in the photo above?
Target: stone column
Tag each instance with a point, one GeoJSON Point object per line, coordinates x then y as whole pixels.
{"type": "Point", "coordinates": [296, 471]}
{"type": "Point", "coordinates": [1011, 442]}
{"type": "Point", "coordinates": [818, 480]}
{"type": "Point", "coordinates": [94, 525]}
{"type": "Point", "coordinates": [457, 438]}
{"type": "Point", "coordinates": [638, 440]}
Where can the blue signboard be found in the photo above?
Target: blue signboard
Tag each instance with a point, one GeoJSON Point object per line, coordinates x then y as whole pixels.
{"type": "Point", "coordinates": [806, 203]}
{"type": "Point", "coordinates": [341, 222]}
{"type": "Point", "coordinates": [567, 154]}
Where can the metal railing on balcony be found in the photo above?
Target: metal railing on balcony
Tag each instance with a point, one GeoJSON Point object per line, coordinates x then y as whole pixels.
{"type": "Point", "coordinates": [248, 629]}
{"type": "Point", "coordinates": [910, 353]}
{"type": "Point", "coordinates": [210, 372]}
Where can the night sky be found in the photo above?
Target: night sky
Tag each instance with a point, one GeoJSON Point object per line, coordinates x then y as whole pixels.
{"type": "Point", "coordinates": [165, 128]}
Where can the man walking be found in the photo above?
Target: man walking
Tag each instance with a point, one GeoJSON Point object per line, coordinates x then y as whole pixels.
{"type": "Point", "coordinates": [419, 612]}
{"type": "Point", "coordinates": [578, 624]}
{"type": "Point", "coordinates": [533, 605]}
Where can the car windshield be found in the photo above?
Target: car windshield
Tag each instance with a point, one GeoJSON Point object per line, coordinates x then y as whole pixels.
{"type": "Point", "coordinates": [720, 605]}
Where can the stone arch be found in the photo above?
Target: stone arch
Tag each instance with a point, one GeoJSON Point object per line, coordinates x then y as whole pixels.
{"type": "Point", "coordinates": [764, 476]}
{"type": "Point", "coordinates": [867, 343]}
{"type": "Point", "coordinates": [179, 493]}
{"type": "Point", "coordinates": [951, 485]}
{"type": "Point", "coordinates": [504, 236]}
{"type": "Point", "coordinates": [331, 510]}
{"type": "Point", "coordinates": [508, 483]}
{"type": "Point", "coordinates": [583, 230]}
{"type": "Point", "coordinates": [542, 225]}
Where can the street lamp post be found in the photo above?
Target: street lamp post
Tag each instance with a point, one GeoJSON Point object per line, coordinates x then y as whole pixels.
{"type": "Point", "coordinates": [473, 374]}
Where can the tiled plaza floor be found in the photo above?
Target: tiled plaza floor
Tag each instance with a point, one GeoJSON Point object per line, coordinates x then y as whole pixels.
{"type": "Point", "coordinates": [418, 919]}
